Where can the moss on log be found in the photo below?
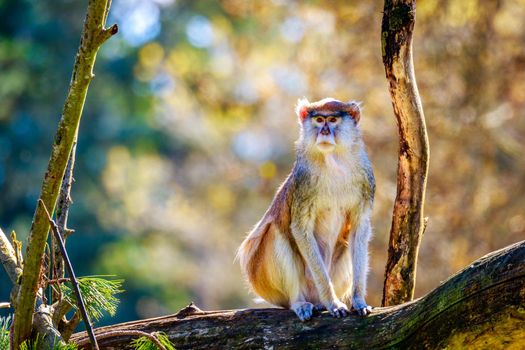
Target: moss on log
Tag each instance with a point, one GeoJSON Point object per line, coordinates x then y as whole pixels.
{"type": "Point", "coordinates": [482, 306]}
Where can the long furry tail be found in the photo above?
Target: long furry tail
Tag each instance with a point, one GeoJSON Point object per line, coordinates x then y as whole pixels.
{"type": "Point", "coordinates": [251, 242]}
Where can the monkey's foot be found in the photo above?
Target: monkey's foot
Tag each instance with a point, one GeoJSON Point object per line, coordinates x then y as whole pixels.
{"type": "Point", "coordinates": [303, 310]}
{"type": "Point", "coordinates": [319, 308]}
{"type": "Point", "coordinates": [360, 306]}
{"type": "Point", "coordinates": [337, 309]}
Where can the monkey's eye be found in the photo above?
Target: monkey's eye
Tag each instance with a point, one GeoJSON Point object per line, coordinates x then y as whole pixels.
{"type": "Point", "coordinates": [319, 119]}
{"type": "Point", "coordinates": [332, 119]}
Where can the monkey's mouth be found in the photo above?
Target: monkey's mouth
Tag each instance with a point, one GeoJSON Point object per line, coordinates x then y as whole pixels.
{"type": "Point", "coordinates": [325, 146]}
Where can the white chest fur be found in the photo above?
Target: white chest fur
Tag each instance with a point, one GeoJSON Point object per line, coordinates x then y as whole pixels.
{"type": "Point", "coordinates": [339, 194]}
{"type": "Point", "coordinates": [338, 183]}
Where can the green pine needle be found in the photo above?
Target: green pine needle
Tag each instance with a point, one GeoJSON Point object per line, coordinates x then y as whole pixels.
{"type": "Point", "coordinates": [5, 323]}
{"type": "Point", "coordinates": [36, 345]}
{"type": "Point", "coordinates": [144, 343]}
{"type": "Point", "coordinates": [29, 345]}
{"type": "Point", "coordinates": [98, 294]}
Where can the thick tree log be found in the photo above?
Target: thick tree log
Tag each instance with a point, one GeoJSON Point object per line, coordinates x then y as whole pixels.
{"type": "Point", "coordinates": [407, 218]}
{"type": "Point", "coordinates": [482, 306]}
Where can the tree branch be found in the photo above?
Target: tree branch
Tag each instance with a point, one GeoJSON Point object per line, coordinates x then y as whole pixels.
{"type": "Point", "coordinates": [90, 42]}
{"type": "Point", "coordinates": [484, 302]}
{"type": "Point", "coordinates": [43, 324]}
{"type": "Point", "coordinates": [62, 213]}
{"type": "Point", "coordinates": [68, 327]}
{"type": "Point", "coordinates": [8, 258]}
{"type": "Point", "coordinates": [407, 218]}
{"type": "Point", "coordinates": [61, 307]}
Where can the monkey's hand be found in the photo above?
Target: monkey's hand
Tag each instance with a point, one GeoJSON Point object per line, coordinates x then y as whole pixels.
{"type": "Point", "coordinates": [359, 305]}
{"type": "Point", "coordinates": [337, 308]}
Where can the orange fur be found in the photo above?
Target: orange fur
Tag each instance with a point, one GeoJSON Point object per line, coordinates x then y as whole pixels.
{"type": "Point", "coordinates": [342, 240]}
{"type": "Point", "coordinates": [262, 271]}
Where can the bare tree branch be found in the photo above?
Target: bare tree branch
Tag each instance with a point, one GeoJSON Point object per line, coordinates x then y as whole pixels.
{"type": "Point", "coordinates": [62, 213]}
{"type": "Point", "coordinates": [8, 258]}
{"type": "Point", "coordinates": [407, 219]}
{"type": "Point", "coordinates": [67, 327]}
{"type": "Point", "coordinates": [43, 324]}
{"type": "Point", "coordinates": [61, 307]}
{"type": "Point", "coordinates": [93, 35]}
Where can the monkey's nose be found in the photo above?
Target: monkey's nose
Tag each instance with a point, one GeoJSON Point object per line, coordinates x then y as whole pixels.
{"type": "Point", "coordinates": [325, 130]}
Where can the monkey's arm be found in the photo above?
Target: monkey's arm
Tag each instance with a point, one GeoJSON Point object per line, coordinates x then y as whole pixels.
{"type": "Point", "coordinates": [302, 226]}
{"type": "Point", "coordinates": [359, 247]}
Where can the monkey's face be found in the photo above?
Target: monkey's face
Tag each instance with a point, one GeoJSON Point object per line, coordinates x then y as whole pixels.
{"type": "Point", "coordinates": [327, 125]}
{"type": "Point", "coordinates": [327, 133]}
{"type": "Point", "coordinates": [325, 128]}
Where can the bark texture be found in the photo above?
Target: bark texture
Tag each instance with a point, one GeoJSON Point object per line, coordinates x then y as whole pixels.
{"type": "Point", "coordinates": [482, 306]}
{"type": "Point", "coordinates": [407, 219]}
{"type": "Point", "coordinates": [94, 35]}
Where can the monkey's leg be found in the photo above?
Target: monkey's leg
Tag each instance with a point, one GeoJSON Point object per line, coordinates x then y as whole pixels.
{"type": "Point", "coordinates": [342, 275]}
{"type": "Point", "coordinates": [311, 254]}
{"type": "Point", "coordinates": [359, 247]}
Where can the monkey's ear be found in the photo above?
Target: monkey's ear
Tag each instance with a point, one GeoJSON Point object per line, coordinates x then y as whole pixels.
{"type": "Point", "coordinates": [354, 109]}
{"type": "Point", "coordinates": [301, 109]}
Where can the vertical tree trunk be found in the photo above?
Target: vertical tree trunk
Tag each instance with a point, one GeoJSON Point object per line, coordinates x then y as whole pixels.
{"type": "Point", "coordinates": [407, 221]}
{"type": "Point", "coordinates": [94, 35]}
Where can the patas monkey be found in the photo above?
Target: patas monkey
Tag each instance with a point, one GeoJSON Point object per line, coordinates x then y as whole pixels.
{"type": "Point", "coordinates": [310, 249]}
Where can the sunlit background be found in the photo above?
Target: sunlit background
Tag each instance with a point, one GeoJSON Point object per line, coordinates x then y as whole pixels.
{"type": "Point", "coordinates": [189, 127]}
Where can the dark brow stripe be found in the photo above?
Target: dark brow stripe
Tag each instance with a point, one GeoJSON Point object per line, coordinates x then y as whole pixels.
{"type": "Point", "coordinates": [328, 114]}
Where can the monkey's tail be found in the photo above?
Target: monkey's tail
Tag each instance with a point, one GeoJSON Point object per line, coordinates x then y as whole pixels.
{"type": "Point", "coordinates": [250, 244]}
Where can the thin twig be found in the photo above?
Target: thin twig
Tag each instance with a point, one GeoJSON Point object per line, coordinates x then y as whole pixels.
{"type": "Point", "coordinates": [112, 334]}
{"type": "Point", "coordinates": [5, 305]}
{"type": "Point", "coordinates": [64, 198]}
{"type": "Point", "coordinates": [71, 273]}
{"type": "Point", "coordinates": [62, 213]}
{"type": "Point", "coordinates": [58, 281]}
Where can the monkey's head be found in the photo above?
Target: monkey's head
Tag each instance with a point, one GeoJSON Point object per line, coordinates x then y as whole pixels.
{"type": "Point", "coordinates": [328, 124]}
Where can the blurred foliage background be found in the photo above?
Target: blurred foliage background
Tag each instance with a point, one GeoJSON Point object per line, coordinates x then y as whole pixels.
{"type": "Point", "coordinates": [188, 130]}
